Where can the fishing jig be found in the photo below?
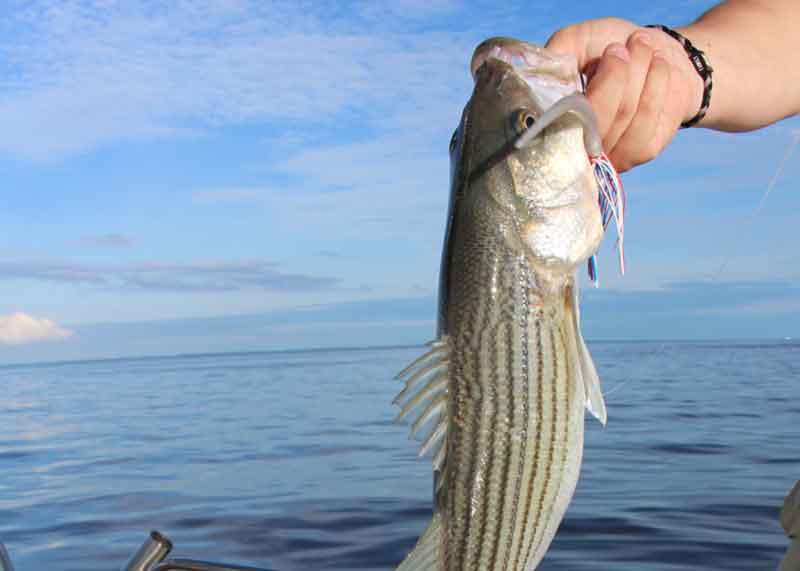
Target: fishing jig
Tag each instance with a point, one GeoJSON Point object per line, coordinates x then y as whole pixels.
{"type": "Point", "coordinates": [613, 203]}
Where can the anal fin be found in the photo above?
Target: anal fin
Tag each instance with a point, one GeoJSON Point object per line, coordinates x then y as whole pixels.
{"type": "Point", "coordinates": [427, 554]}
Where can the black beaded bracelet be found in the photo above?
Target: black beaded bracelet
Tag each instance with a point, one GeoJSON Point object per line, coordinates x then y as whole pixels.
{"type": "Point", "coordinates": [700, 63]}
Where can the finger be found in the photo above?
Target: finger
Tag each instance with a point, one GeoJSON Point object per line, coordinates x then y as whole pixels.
{"type": "Point", "coordinates": [607, 86]}
{"type": "Point", "coordinates": [588, 40]}
{"type": "Point", "coordinates": [640, 55]}
{"type": "Point", "coordinates": [646, 135]}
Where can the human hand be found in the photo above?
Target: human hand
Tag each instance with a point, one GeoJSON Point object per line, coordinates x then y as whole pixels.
{"type": "Point", "coordinates": [641, 84]}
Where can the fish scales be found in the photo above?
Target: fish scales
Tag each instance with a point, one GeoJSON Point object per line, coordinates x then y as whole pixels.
{"type": "Point", "coordinates": [486, 498]}
{"type": "Point", "coordinates": [517, 373]}
{"type": "Point", "coordinates": [493, 286]}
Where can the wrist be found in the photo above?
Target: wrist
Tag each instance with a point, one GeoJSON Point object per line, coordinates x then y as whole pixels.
{"type": "Point", "coordinates": [696, 74]}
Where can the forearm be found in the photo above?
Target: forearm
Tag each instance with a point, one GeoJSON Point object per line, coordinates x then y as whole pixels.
{"type": "Point", "coordinates": [754, 49]}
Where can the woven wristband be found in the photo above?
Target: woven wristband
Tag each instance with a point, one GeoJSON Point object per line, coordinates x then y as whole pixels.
{"type": "Point", "coordinates": [700, 64]}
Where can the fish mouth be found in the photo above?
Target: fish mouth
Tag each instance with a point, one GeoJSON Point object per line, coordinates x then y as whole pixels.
{"type": "Point", "coordinates": [550, 76]}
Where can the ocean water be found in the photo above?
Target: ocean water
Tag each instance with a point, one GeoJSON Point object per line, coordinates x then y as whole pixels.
{"type": "Point", "coordinates": [291, 461]}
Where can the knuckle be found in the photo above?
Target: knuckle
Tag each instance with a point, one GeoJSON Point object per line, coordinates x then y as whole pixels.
{"type": "Point", "coordinates": [625, 110]}
{"type": "Point", "coordinates": [622, 163]}
{"type": "Point", "coordinates": [660, 69]}
{"type": "Point", "coordinates": [649, 150]}
{"type": "Point", "coordinates": [641, 39]}
{"type": "Point", "coordinates": [649, 106]}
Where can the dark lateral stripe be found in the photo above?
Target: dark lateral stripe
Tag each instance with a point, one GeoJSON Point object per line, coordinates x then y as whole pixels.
{"type": "Point", "coordinates": [490, 405]}
{"type": "Point", "coordinates": [539, 521]}
{"type": "Point", "coordinates": [464, 491]}
{"type": "Point", "coordinates": [497, 468]}
{"type": "Point", "coordinates": [486, 372]}
{"type": "Point", "coordinates": [507, 448]}
{"type": "Point", "coordinates": [457, 499]}
{"type": "Point", "coordinates": [542, 518]}
{"type": "Point", "coordinates": [490, 408]}
{"type": "Point", "coordinates": [537, 449]}
{"type": "Point", "coordinates": [466, 555]}
{"type": "Point", "coordinates": [525, 344]}
{"type": "Point", "coordinates": [569, 390]}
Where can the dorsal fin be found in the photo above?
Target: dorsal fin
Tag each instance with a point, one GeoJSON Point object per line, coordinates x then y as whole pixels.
{"type": "Point", "coordinates": [423, 400]}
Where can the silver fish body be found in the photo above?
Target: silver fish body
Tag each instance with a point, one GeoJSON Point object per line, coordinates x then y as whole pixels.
{"type": "Point", "coordinates": [501, 394]}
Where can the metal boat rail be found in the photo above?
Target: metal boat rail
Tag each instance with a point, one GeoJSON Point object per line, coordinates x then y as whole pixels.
{"type": "Point", "coordinates": [152, 556]}
{"type": "Point", "coordinates": [5, 560]}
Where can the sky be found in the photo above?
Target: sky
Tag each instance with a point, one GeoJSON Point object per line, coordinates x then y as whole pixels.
{"type": "Point", "coordinates": [231, 175]}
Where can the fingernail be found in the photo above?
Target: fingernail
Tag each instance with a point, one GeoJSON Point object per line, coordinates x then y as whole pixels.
{"type": "Point", "coordinates": [618, 51]}
{"type": "Point", "coordinates": [643, 38]}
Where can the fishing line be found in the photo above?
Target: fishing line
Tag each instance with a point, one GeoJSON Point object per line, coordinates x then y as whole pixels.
{"type": "Point", "coordinates": [750, 217]}
{"type": "Point", "coordinates": [621, 384]}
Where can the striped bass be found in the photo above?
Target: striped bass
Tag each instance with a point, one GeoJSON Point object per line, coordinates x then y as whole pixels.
{"type": "Point", "coordinates": [499, 398]}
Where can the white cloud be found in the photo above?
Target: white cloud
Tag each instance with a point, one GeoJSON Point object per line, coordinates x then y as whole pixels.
{"type": "Point", "coordinates": [383, 188]}
{"type": "Point", "coordinates": [83, 74]}
{"type": "Point", "coordinates": [411, 9]}
{"type": "Point", "coordinates": [20, 328]}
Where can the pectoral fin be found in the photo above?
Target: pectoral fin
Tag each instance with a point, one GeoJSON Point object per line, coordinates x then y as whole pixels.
{"type": "Point", "coordinates": [582, 360]}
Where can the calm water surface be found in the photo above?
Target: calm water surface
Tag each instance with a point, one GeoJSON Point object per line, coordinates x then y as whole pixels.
{"type": "Point", "coordinates": [291, 461]}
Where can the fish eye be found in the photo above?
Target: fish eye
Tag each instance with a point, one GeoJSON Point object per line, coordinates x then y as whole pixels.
{"type": "Point", "coordinates": [523, 120]}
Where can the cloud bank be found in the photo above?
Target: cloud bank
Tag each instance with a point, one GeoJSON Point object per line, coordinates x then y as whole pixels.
{"type": "Point", "coordinates": [182, 277]}
{"type": "Point", "coordinates": [20, 328]}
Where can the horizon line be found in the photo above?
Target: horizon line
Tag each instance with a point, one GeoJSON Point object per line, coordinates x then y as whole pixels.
{"type": "Point", "coordinates": [234, 353]}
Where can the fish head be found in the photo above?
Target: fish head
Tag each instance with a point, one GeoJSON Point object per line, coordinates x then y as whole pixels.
{"type": "Point", "coordinates": [546, 188]}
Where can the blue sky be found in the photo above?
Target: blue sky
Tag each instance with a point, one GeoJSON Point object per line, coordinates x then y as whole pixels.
{"type": "Point", "coordinates": [231, 175]}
